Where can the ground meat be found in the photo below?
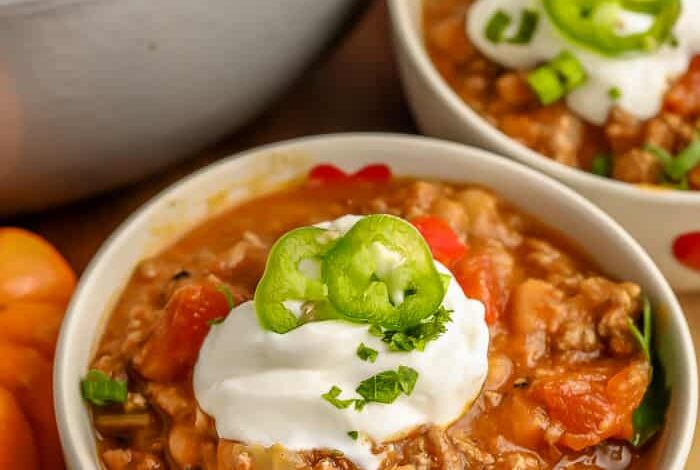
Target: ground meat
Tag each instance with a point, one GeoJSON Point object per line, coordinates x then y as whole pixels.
{"type": "Point", "coordinates": [637, 166]}
{"type": "Point", "coordinates": [170, 399]}
{"type": "Point", "coordinates": [503, 97]}
{"type": "Point", "coordinates": [125, 459]}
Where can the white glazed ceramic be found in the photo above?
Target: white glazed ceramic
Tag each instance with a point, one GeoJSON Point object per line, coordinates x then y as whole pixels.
{"type": "Point", "coordinates": [655, 218]}
{"type": "Point", "coordinates": [221, 185]}
{"type": "Point", "coordinates": [94, 93]}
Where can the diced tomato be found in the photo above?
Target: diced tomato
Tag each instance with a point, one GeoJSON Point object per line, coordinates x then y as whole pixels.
{"type": "Point", "coordinates": [442, 240]}
{"type": "Point", "coordinates": [476, 276]}
{"type": "Point", "coordinates": [591, 407]}
{"type": "Point", "coordinates": [684, 97]}
{"type": "Point", "coordinates": [172, 349]}
{"type": "Point", "coordinates": [376, 173]}
{"type": "Point", "coordinates": [325, 173]}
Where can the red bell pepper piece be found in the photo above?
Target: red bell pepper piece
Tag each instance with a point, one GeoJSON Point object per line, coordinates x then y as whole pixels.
{"type": "Point", "coordinates": [326, 173]}
{"type": "Point", "coordinates": [442, 240]}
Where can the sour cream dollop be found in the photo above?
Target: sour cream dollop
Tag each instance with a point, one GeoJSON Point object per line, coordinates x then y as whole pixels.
{"type": "Point", "coordinates": [642, 79]}
{"type": "Point", "coordinates": [265, 388]}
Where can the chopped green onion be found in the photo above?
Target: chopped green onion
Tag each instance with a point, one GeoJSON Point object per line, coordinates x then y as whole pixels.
{"type": "Point", "coordinates": [353, 435]}
{"type": "Point", "coordinates": [496, 26]}
{"type": "Point", "coordinates": [331, 396]}
{"type": "Point", "coordinates": [688, 159]}
{"type": "Point", "coordinates": [570, 70]}
{"type": "Point", "coordinates": [676, 169]}
{"type": "Point", "coordinates": [226, 290]}
{"type": "Point", "coordinates": [100, 389]}
{"type": "Point", "coordinates": [529, 19]}
{"type": "Point", "coordinates": [602, 165]}
{"type": "Point", "coordinates": [615, 93]}
{"type": "Point", "coordinates": [545, 82]}
{"type": "Point", "coordinates": [366, 353]}
{"type": "Point", "coordinates": [662, 155]}
{"type": "Point", "coordinates": [552, 81]}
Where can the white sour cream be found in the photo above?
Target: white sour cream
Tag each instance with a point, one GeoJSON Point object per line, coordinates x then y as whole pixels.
{"type": "Point", "coordinates": [265, 388]}
{"type": "Point", "coordinates": [643, 79]}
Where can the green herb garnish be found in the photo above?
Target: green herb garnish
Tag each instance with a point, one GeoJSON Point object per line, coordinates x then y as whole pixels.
{"type": "Point", "coordinates": [552, 81]}
{"type": "Point", "coordinates": [602, 165]}
{"type": "Point", "coordinates": [529, 19]}
{"type": "Point", "coordinates": [496, 26]}
{"type": "Point", "coordinates": [676, 168]}
{"type": "Point", "coordinates": [643, 337]}
{"type": "Point", "coordinates": [417, 337]}
{"type": "Point", "coordinates": [331, 396]}
{"type": "Point", "coordinates": [226, 290]}
{"type": "Point", "coordinates": [366, 353]}
{"type": "Point", "coordinates": [385, 387]}
{"type": "Point", "coordinates": [100, 389]}
{"type": "Point", "coordinates": [407, 379]}
{"type": "Point", "coordinates": [648, 418]}
{"type": "Point", "coordinates": [353, 435]}
{"type": "Point", "coordinates": [615, 93]}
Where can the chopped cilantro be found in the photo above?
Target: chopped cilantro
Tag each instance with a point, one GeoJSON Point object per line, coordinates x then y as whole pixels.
{"type": "Point", "coordinates": [407, 379]}
{"type": "Point", "coordinates": [353, 435]}
{"type": "Point", "coordinates": [417, 337]}
{"type": "Point", "coordinates": [366, 353]}
{"type": "Point", "coordinates": [615, 93]}
{"type": "Point", "coordinates": [385, 387]}
{"type": "Point", "coordinates": [331, 396]}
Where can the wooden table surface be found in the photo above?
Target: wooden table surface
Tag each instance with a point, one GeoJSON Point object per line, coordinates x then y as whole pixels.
{"type": "Point", "coordinates": [353, 87]}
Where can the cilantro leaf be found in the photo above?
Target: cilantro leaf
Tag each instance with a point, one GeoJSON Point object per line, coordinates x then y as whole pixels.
{"type": "Point", "coordinates": [380, 388]}
{"type": "Point", "coordinates": [648, 418]}
{"type": "Point", "coordinates": [366, 353]}
{"type": "Point", "coordinates": [385, 387]}
{"type": "Point", "coordinates": [353, 435]}
{"type": "Point", "coordinates": [407, 379]}
{"type": "Point", "coordinates": [417, 337]}
{"type": "Point", "coordinates": [331, 396]}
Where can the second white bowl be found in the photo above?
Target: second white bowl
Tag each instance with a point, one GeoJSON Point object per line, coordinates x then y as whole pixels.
{"type": "Point", "coordinates": [655, 218]}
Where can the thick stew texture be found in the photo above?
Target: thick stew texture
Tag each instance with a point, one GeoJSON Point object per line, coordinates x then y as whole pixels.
{"type": "Point", "coordinates": [565, 372]}
{"type": "Point", "coordinates": [617, 149]}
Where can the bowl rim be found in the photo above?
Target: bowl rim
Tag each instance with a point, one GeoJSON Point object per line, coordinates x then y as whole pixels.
{"type": "Point", "coordinates": [76, 453]}
{"type": "Point", "coordinates": [401, 18]}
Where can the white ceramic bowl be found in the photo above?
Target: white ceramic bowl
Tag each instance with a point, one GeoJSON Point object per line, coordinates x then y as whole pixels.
{"type": "Point", "coordinates": [95, 93]}
{"type": "Point", "coordinates": [655, 218]}
{"type": "Point", "coordinates": [189, 202]}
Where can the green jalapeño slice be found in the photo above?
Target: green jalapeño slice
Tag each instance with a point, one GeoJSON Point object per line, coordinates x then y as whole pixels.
{"type": "Point", "coordinates": [381, 272]}
{"type": "Point", "coordinates": [291, 291]}
{"type": "Point", "coordinates": [596, 23]}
